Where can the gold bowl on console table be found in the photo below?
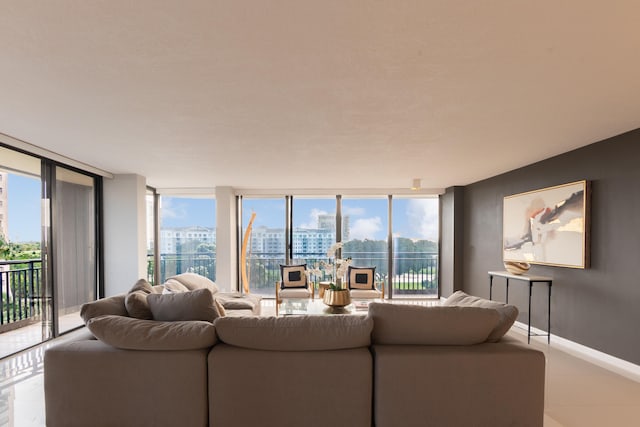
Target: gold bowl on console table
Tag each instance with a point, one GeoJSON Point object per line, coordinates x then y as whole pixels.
{"type": "Point", "coordinates": [515, 267]}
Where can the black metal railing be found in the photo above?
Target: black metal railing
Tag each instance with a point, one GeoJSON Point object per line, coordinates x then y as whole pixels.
{"type": "Point", "coordinates": [415, 273]}
{"type": "Point", "coordinates": [20, 290]}
{"type": "Point", "coordinates": [185, 262]}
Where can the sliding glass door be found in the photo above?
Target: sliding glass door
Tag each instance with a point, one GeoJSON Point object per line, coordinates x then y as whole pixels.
{"type": "Point", "coordinates": [74, 226]}
{"type": "Point", "coordinates": [48, 248]}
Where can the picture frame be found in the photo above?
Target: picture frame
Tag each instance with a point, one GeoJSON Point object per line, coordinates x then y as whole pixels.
{"type": "Point", "coordinates": [549, 226]}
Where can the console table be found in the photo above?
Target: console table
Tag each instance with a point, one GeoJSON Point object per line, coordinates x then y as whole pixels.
{"type": "Point", "coordinates": [531, 280]}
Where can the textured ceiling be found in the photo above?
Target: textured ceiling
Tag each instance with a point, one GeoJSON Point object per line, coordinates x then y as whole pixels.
{"type": "Point", "coordinates": [304, 95]}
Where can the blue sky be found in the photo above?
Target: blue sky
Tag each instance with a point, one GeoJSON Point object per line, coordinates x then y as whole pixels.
{"type": "Point", "coordinates": [183, 212]}
{"type": "Point", "coordinates": [23, 208]}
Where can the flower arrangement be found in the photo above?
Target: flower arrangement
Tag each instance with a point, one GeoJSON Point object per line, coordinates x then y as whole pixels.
{"type": "Point", "coordinates": [336, 270]}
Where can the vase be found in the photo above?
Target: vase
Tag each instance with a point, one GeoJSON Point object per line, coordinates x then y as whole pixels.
{"type": "Point", "coordinates": [339, 298]}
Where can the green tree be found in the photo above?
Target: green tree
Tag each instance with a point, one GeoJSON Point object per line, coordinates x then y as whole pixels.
{"type": "Point", "coordinates": [5, 247]}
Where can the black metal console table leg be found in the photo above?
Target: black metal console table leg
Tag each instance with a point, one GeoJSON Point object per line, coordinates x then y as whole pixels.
{"type": "Point", "coordinates": [506, 300]}
{"type": "Point", "coordinates": [490, 286]}
{"type": "Point", "coordinates": [529, 323]}
{"type": "Point", "coordinates": [549, 316]}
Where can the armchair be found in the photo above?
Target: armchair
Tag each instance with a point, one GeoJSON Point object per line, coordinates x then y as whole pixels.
{"type": "Point", "coordinates": [294, 283]}
{"type": "Point", "coordinates": [361, 283]}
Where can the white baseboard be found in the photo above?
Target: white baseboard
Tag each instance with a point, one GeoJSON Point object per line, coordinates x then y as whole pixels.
{"type": "Point", "coordinates": [604, 360]}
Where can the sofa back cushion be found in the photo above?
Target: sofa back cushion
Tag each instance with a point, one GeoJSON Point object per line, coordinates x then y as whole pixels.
{"type": "Point", "coordinates": [172, 286]}
{"type": "Point", "coordinates": [508, 313]}
{"type": "Point", "coordinates": [193, 281]}
{"type": "Point", "coordinates": [102, 307]}
{"type": "Point", "coordinates": [408, 324]}
{"type": "Point", "coordinates": [296, 333]}
{"type": "Point", "coordinates": [194, 305]}
{"type": "Point", "coordinates": [137, 334]}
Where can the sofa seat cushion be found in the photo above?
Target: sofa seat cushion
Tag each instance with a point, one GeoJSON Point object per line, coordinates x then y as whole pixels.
{"type": "Point", "coordinates": [408, 324]}
{"type": "Point", "coordinates": [193, 305]}
{"type": "Point", "coordinates": [365, 293]}
{"type": "Point", "coordinates": [508, 313]}
{"type": "Point", "coordinates": [137, 334]}
{"type": "Point", "coordinates": [299, 333]}
{"type": "Point", "coordinates": [102, 307]}
{"type": "Point", "coordinates": [295, 293]}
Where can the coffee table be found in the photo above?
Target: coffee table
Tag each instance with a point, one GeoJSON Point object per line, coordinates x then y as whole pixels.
{"type": "Point", "coordinates": [300, 306]}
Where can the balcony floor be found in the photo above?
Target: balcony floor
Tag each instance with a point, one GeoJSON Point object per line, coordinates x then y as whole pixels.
{"type": "Point", "coordinates": [17, 340]}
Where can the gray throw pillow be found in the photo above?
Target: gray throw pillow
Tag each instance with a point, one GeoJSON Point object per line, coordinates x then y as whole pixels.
{"type": "Point", "coordinates": [508, 313]}
{"type": "Point", "coordinates": [112, 305]}
{"type": "Point", "coordinates": [194, 305]}
{"type": "Point", "coordinates": [137, 305]}
{"type": "Point", "coordinates": [142, 285]}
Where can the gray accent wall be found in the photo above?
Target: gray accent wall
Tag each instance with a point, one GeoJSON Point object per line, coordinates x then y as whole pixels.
{"type": "Point", "coordinates": [451, 242]}
{"type": "Point", "coordinates": [598, 307]}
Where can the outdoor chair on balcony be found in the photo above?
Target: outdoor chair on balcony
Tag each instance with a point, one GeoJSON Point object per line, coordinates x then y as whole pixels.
{"type": "Point", "coordinates": [362, 284]}
{"type": "Point", "coordinates": [294, 283]}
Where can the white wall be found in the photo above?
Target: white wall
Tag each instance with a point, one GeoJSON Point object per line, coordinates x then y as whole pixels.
{"type": "Point", "coordinates": [226, 242]}
{"type": "Point", "coordinates": [124, 232]}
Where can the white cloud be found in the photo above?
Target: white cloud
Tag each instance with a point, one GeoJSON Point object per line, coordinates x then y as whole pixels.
{"type": "Point", "coordinates": [169, 211]}
{"type": "Point", "coordinates": [422, 215]}
{"type": "Point", "coordinates": [313, 218]}
{"type": "Point", "coordinates": [365, 228]}
{"type": "Point", "coordinates": [353, 211]}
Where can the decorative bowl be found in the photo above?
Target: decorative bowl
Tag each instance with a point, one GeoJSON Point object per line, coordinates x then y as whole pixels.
{"type": "Point", "coordinates": [337, 298]}
{"type": "Point", "coordinates": [515, 267]}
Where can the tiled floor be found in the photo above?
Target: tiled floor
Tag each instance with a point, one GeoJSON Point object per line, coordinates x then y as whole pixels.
{"type": "Point", "coordinates": [578, 393]}
{"type": "Point", "coordinates": [581, 394]}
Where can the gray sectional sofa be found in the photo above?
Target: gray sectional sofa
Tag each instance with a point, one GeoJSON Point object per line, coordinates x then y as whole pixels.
{"type": "Point", "coordinates": [396, 366]}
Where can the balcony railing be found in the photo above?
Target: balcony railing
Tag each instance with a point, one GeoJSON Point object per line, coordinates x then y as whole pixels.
{"type": "Point", "coordinates": [20, 291]}
{"type": "Point", "coordinates": [203, 263]}
{"type": "Point", "coordinates": [415, 273]}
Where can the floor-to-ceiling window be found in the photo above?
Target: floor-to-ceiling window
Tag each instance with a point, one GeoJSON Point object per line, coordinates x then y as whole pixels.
{"type": "Point", "coordinates": [415, 246]}
{"type": "Point", "coordinates": [365, 228]}
{"type": "Point", "coordinates": [398, 235]}
{"type": "Point", "coordinates": [314, 230]}
{"type": "Point", "coordinates": [187, 236]}
{"type": "Point", "coordinates": [151, 202]}
{"type": "Point", "coordinates": [265, 244]}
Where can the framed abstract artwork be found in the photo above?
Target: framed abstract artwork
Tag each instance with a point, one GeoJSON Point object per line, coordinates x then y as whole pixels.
{"type": "Point", "coordinates": [548, 226]}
